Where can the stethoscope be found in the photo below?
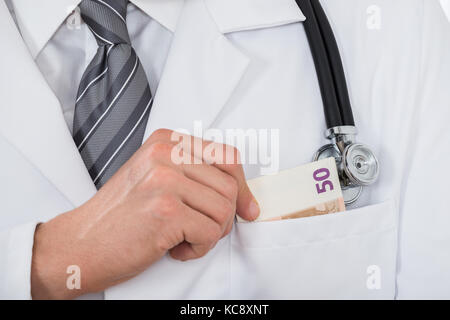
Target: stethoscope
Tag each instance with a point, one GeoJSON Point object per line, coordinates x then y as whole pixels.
{"type": "Point", "coordinates": [357, 165]}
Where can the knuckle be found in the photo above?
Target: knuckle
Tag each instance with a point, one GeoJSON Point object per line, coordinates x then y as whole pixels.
{"type": "Point", "coordinates": [224, 212]}
{"type": "Point", "coordinates": [166, 204]}
{"type": "Point", "coordinates": [233, 169]}
{"type": "Point", "coordinates": [231, 188]}
{"type": "Point", "coordinates": [161, 133]}
{"type": "Point", "coordinates": [214, 235]}
{"type": "Point", "coordinates": [161, 175]}
{"type": "Point", "coordinates": [160, 149]}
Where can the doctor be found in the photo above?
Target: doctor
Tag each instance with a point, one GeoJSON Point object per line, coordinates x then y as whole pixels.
{"type": "Point", "coordinates": [234, 64]}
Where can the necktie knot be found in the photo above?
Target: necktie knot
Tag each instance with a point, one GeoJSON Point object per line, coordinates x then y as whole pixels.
{"type": "Point", "coordinates": [107, 20]}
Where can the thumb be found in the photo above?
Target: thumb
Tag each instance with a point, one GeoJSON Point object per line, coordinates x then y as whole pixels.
{"type": "Point", "coordinates": [246, 205]}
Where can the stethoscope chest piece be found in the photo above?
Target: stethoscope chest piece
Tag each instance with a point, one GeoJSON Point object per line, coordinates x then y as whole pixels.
{"type": "Point", "coordinates": [357, 165]}
{"type": "Point", "coordinates": [360, 164]}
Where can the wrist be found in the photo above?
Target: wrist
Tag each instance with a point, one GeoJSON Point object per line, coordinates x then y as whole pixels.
{"type": "Point", "coordinates": [54, 251]}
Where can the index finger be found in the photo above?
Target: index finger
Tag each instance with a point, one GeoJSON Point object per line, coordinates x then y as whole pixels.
{"type": "Point", "coordinates": [224, 157]}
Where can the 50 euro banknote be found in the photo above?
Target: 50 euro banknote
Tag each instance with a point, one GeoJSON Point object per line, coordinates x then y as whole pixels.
{"type": "Point", "coordinates": [309, 190]}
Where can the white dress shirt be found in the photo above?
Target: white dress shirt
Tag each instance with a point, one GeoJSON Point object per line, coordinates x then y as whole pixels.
{"type": "Point", "coordinates": [71, 47]}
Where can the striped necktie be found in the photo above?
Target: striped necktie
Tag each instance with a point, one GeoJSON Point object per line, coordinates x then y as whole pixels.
{"type": "Point", "coordinates": [114, 97]}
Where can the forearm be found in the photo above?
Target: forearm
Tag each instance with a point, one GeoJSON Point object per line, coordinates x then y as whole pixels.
{"type": "Point", "coordinates": [79, 239]}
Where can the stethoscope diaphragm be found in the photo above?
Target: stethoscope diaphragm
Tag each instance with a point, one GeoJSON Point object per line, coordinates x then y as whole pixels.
{"type": "Point", "coordinates": [360, 164]}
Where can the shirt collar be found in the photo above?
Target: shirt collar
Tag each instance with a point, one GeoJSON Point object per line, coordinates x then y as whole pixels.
{"type": "Point", "coordinates": [38, 23]}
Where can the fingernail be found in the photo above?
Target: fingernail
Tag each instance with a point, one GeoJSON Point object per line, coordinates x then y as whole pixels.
{"type": "Point", "coordinates": [254, 209]}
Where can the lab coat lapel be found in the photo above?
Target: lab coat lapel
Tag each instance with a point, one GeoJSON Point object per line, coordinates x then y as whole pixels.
{"type": "Point", "coordinates": [31, 118]}
{"type": "Point", "coordinates": [203, 67]}
{"type": "Point", "coordinates": [240, 15]}
{"type": "Point", "coordinates": [202, 70]}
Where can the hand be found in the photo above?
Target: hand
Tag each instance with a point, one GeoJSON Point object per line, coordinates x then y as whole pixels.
{"type": "Point", "coordinates": [151, 206]}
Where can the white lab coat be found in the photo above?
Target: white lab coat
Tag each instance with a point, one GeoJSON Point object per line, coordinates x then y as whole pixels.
{"type": "Point", "coordinates": [242, 64]}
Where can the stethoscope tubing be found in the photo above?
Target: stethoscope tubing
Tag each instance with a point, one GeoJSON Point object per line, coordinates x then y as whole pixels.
{"type": "Point", "coordinates": [336, 65]}
{"type": "Point", "coordinates": [328, 64]}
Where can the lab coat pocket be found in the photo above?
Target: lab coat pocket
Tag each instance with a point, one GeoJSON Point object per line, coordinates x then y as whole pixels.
{"type": "Point", "coordinates": [337, 256]}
